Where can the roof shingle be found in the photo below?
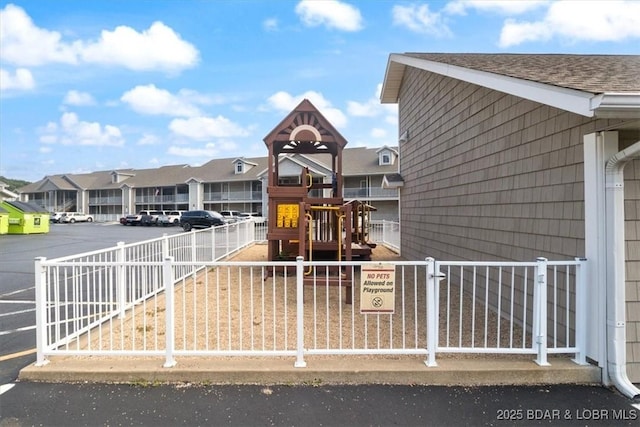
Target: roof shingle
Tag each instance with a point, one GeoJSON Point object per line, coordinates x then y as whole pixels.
{"type": "Point", "coordinates": [588, 73]}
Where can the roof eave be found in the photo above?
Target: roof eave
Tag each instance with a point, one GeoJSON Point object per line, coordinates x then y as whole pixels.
{"type": "Point", "coordinates": [8, 193]}
{"type": "Point", "coordinates": [616, 105]}
{"type": "Point", "coordinates": [392, 80]}
{"type": "Point", "coordinates": [571, 100]}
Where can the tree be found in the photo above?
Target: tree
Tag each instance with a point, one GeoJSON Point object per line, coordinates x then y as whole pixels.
{"type": "Point", "coordinates": [13, 184]}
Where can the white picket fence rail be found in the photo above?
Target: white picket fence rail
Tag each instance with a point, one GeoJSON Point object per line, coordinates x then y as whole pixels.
{"type": "Point", "coordinates": [173, 297]}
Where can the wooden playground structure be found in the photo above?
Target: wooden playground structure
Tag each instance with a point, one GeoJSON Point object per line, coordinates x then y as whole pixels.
{"type": "Point", "coordinates": [307, 215]}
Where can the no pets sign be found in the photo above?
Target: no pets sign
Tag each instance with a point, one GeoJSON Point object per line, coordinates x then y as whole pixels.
{"type": "Point", "coordinates": [377, 288]}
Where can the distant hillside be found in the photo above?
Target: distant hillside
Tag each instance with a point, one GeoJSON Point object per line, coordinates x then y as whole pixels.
{"type": "Point", "coordinates": [13, 184]}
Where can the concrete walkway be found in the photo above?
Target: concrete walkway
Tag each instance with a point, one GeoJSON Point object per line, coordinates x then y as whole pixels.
{"type": "Point", "coordinates": [320, 370]}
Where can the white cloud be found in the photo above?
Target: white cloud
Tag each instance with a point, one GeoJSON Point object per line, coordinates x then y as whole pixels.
{"type": "Point", "coordinates": [504, 7]}
{"type": "Point", "coordinates": [378, 133]}
{"type": "Point", "coordinates": [72, 131]}
{"type": "Point", "coordinates": [77, 98]}
{"type": "Point", "coordinates": [283, 101]}
{"type": "Point", "coordinates": [574, 20]}
{"type": "Point", "coordinates": [209, 150]}
{"type": "Point", "coordinates": [270, 24]}
{"type": "Point", "coordinates": [369, 108]}
{"type": "Point", "coordinates": [392, 119]}
{"type": "Point", "coordinates": [515, 33]}
{"type": "Point", "coordinates": [203, 128]}
{"type": "Point", "coordinates": [21, 80]}
{"type": "Point", "coordinates": [383, 117]}
{"type": "Point", "coordinates": [22, 43]}
{"type": "Point", "coordinates": [158, 47]}
{"type": "Point", "coordinates": [419, 19]}
{"type": "Point", "coordinates": [151, 100]}
{"type": "Point", "coordinates": [372, 107]}
{"type": "Point", "coordinates": [49, 139]}
{"type": "Point", "coordinates": [45, 149]}
{"type": "Point", "coordinates": [148, 139]}
{"type": "Point", "coordinates": [330, 13]}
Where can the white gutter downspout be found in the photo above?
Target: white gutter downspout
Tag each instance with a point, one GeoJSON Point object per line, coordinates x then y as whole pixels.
{"type": "Point", "coordinates": [616, 322]}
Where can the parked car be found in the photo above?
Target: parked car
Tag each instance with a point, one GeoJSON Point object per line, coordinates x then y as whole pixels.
{"type": "Point", "coordinates": [163, 220]}
{"type": "Point", "coordinates": [55, 216]}
{"type": "Point", "coordinates": [201, 219]}
{"type": "Point", "coordinates": [255, 217]}
{"type": "Point", "coordinates": [141, 218]}
{"type": "Point", "coordinates": [71, 217]}
{"type": "Point", "coordinates": [174, 216]}
{"type": "Point", "coordinates": [231, 216]}
{"type": "Point", "coordinates": [155, 215]}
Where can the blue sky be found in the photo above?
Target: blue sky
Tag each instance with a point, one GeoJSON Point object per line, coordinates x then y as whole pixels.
{"type": "Point", "coordinates": [102, 85]}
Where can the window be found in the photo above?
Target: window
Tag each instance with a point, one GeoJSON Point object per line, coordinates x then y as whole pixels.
{"type": "Point", "coordinates": [289, 180]}
{"type": "Point", "coordinates": [385, 158]}
{"type": "Point", "coordinates": [239, 167]}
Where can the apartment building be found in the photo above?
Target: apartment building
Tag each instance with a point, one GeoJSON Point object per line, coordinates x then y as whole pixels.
{"type": "Point", "coordinates": [370, 174]}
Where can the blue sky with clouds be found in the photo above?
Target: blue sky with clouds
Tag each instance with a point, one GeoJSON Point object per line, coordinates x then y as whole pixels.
{"type": "Point", "coordinates": [102, 85]}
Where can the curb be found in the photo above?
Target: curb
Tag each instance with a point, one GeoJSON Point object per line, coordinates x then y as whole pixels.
{"type": "Point", "coordinates": [465, 372]}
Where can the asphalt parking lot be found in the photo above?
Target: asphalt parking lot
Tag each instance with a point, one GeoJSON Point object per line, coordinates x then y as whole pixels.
{"type": "Point", "coordinates": [144, 403]}
{"type": "Point", "coordinates": [17, 293]}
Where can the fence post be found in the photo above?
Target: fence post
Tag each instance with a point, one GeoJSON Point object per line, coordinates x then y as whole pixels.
{"type": "Point", "coordinates": [540, 311]}
{"type": "Point", "coordinates": [120, 279]}
{"type": "Point", "coordinates": [581, 312]}
{"type": "Point", "coordinates": [300, 363]}
{"type": "Point", "coordinates": [41, 311]}
{"type": "Point", "coordinates": [165, 245]}
{"type": "Point", "coordinates": [194, 252]}
{"type": "Point", "coordinates": [432, 281]}
{"type": "Point", "coordinates": [384, 231]}
{"type": "Point", "coordinates": [226, 239]}
{"type": "Point", "coordinates": [213, 244]}
{"type": "Point", "coordinates": [167, 277]}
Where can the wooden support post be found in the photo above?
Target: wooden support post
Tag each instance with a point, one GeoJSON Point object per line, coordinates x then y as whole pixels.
{"type": "Point", "coordinates": [348, 256]}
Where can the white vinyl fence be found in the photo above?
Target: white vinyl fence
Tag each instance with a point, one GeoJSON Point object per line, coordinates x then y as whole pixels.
{"type": "Point", "coordinates": [386, 233]}
{"type": "Point", "coordinates": [171, 297]}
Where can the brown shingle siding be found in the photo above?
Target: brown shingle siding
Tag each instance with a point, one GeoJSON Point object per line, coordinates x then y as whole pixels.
{"type": "Point", "coordinates": [474, 151]}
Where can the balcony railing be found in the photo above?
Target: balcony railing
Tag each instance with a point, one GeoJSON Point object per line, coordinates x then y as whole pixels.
{"type": "Point", "coordinates": [236, 196]}
{"type": "Point", "coordinates": [113, 200]}
{"type": "Point", "coordinates": [370, 193]}
{"type": "Point", "coordinates": [38, 202]}
{"type": "Point", "coordinates": [164, 198]}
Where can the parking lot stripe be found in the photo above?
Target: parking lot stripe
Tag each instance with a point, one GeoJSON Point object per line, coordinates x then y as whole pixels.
{"type": "Point", "coordinates": [17, 292]}
{"type": "Point", "coordinates": [6, 387]}
{"type": "Point", "coordinates": [26, 328]}
{"type": "Point", "coordinates": [17, 312]}
{"type": "Point", "coordinates": [16, 355]}
{"type": "Point", "coordinates": [17, 302]}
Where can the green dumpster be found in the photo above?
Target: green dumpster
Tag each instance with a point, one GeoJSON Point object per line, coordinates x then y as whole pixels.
{"type": "Point", "coordinates": [26, 218]}
{"type": "Point", "coordinates": [4, 221]}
